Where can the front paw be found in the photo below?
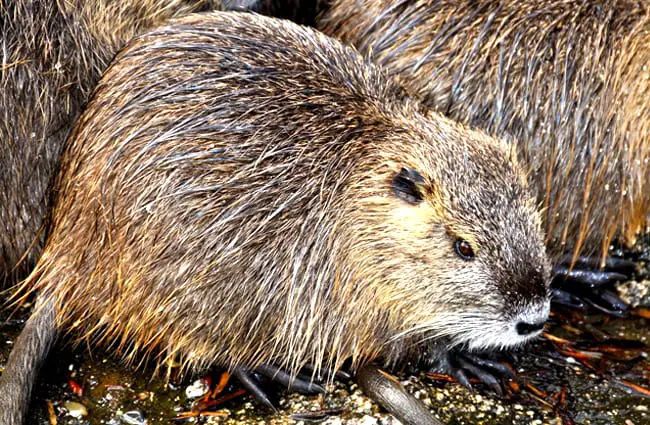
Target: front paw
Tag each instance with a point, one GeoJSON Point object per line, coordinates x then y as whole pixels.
{"type": "Point", "coordinates": [251, 382]}
{"type": "Point", "coordinates": [587, 284]}
{"type": "Point", "coordinates": [463, 366]}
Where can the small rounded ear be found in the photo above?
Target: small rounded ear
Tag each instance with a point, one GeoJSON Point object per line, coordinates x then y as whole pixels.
{"type": "Point", "coordinates": [407, 185]}
{"type": "Point", "coordinates": [244, 6]}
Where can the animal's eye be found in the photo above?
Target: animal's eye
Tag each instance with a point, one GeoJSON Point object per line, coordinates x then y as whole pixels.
{"type": "Point", "coordinates": [463, 249]}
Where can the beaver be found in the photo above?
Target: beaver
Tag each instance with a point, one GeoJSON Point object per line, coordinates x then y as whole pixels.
{"type": "Point", "coordinates": [568, 81]}
{"type": "Point", "coordinates": [276, 199]}
{"type": "Point", "coordinates": [53, 54]}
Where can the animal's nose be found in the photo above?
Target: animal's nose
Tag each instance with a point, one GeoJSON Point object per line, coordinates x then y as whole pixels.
{"type": "Point", "coordinates": [524, 328]}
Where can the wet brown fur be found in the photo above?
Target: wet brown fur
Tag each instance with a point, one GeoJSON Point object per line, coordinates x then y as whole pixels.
{"type": "Point", "coordinates": [52, 55]}
{"type": "Point", "coordinates": [569, 81]}
{"type": "Point", "coordinates": [226, 198]}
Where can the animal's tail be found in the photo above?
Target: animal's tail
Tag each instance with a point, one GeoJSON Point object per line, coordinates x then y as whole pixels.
{"type": "Point", "coordinates": [28, 355]}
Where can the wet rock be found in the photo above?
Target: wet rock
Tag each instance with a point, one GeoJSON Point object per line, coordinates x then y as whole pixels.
{"type": "Point", "coordinates": [199, 388]}
{"type": "Point", "coordinates": [75, 409]}
{"type": "Point", "coordinates": [133, 417]}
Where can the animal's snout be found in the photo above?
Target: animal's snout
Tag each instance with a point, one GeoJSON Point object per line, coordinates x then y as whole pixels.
{"type": "Point", "coordinates": [531, 319]}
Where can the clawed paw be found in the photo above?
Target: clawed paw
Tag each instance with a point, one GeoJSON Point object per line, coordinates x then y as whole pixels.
{"type": "Point", "coordinates": [587, 284]}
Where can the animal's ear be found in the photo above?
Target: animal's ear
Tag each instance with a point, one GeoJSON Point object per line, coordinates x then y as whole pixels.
{"type": "Point", "coordinates": [407, 185]}
{"type": "Point", "coordinates": [244, 6]}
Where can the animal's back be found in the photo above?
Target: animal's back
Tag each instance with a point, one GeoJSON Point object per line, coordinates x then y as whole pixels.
{"type": "Point", "coordinates": [200, 189]}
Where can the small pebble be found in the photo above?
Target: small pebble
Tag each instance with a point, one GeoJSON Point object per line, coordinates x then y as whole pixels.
{"type": "Point", "coordinates": [133, 417]}
{"type": "Point", "coordinates": [197, 389]}
{"type": "Point", "coordinates": [75, 409]}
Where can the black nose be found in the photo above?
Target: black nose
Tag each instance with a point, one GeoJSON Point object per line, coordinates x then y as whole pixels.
{"type": "Point", "coordinates": [524, 328]}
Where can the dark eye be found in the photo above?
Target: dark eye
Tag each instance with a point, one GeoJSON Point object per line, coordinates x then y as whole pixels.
{"type": "Point", "coordinates": [463, 249]}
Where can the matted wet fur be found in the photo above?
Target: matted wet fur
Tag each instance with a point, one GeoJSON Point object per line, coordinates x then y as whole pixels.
{"type": "Point", "coordinates": [52, 55]}
{"type": "Point", "coordinates": [568, 80]}
{"type": "Point", "coordinates": [242, 190]}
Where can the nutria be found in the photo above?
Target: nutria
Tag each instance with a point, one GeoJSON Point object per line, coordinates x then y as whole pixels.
{"type": "Point", "coordinates": [53, 54]}
{"type": "Point", "coordinates": [276, 199]}
{"type": "Point", "coordinates": [568, 81]}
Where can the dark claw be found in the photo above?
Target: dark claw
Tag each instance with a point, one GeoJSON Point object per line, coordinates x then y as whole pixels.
{"type": "Point", "coordinates": [565, 298]}
{"type": "Point", "coordinates": [250, 382]}
{"type": "Point", "coordinates": [604, 300]}
{"type": "Point", "coordinates": [502, 369]}
{"type": "Point", "coordinates": [612, 264]}
{"type": "Point", "coordinates": [486, 377]}
{"type": "Point", "coordinates": [489, 372]}
{"type": "Point", "coordinates": [609, 303]}
{"type": "Point", "coordinates": [253, 386]}
{"type": "Point", "coordinates": [461, 377]}
{"type": "Point", "coordinates": [592, 278]}
{"type": "Point", "coordinates": [342, 375]}
{"type": "Point", "coordinates": [621, 265]}
{"type": "Point", "coordinates": [304, 387]}
{"type": "Point", "coordinates": [586, 284]}
{"type": "Point", "coordinates": [448, 365]}
{"type": "Point", "coordinates": [613, 301]}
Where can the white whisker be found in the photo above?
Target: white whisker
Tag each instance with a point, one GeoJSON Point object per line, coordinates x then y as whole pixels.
{"type": "Point", "coordinates": [478, 330]}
